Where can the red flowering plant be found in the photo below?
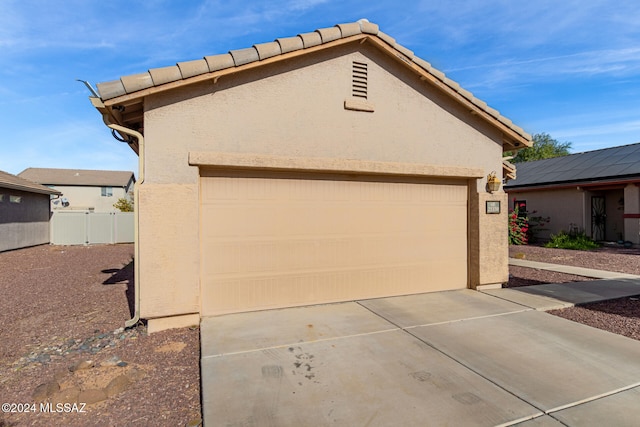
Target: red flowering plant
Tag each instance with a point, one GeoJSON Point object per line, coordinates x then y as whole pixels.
{"type": "Point", "coordinates": [518, 227]}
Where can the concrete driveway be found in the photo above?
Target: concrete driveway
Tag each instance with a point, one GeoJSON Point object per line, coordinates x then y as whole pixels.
{"type": "Point", "coordinates": [458, 358]}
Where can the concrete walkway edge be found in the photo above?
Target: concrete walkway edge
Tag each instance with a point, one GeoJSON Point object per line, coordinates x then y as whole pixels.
{"type": "Point", "coordinates": [568, 269]}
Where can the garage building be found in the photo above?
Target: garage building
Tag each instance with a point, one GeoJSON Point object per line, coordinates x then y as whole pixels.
{"type": "Point", "coordinates": [330, 166]}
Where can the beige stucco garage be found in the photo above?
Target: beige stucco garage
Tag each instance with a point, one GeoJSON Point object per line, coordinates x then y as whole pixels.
{"type": "Point", "coordinates": [330, 166]}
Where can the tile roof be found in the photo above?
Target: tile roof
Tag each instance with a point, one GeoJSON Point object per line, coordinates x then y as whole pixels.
{"type": "Point", "coordinates": [77, 177]}
{"type": "Point", "coordinates": [14, 182]}
{"type": "Point", "coordinates": [235, 58]}
{"type": "Point", "coordinates": [608, 164]}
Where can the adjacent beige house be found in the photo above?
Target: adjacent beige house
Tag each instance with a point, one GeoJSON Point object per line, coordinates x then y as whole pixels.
{"type": "Point", "coordinates": [24, 212]}
{"type": "Point", "coordinates": [330, 166]}
{"type": "Point", "coordinates": [595, 191]}
{"type": "Point", "coordinates": [87, 190]}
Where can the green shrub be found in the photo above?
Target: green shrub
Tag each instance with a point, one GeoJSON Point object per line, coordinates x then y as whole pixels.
{"type": "Point", "coordinates": [575, 239]}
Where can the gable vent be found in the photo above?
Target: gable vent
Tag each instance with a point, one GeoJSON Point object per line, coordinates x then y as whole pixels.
{"type": "Point", "coordinates": [359, 80]}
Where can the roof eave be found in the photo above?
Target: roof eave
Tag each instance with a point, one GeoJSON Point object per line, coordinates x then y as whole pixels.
{"type": "Point", "coordinates": [29, 189]}
{"type": "Point", "coordinates": [112, 115]}
{"type": "Point", "coordinates": [576, 183]}
{"type": "Point", "coordinates": [116, 110]}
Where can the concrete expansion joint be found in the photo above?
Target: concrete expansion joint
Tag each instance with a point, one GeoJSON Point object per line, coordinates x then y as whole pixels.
{"type": "Point", "coordinates": [233, 353]}
{"type": "Point", "coordinates": [471, 369]}
{"type": "Point", "coordinates": [593, 398]}
{"type": "Point", "coordinates": [562, 304]}
{"type": "Point", "coordinates": [525, 308]}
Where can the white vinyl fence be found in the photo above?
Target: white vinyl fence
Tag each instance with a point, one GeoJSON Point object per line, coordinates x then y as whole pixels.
{"type": "Point", "coordinates": [85, 227]}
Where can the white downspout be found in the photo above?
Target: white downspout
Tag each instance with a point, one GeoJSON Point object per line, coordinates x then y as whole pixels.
{"type": "Point", "coordinates": [136, 215]}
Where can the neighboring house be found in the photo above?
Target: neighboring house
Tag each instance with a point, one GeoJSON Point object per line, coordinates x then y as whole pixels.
{"type": "Point", "coordinates": [330, 166]}
{"type": "Point", "coordinates": [595, 191]}
{"type": "Point", "coordinates": [24, 212]}
{"type": "Point", "coordinates": [91, 190]}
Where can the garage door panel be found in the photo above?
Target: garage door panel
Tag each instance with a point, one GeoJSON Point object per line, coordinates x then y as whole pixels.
{"type": "Point", "coordinates": [282, 241]}
{"type": "Point", "coordinates": [259, 293]}
{"type": "Point", "coordinates": [319, 219]}
{"type": "Point", "coordinates": [267, 256]}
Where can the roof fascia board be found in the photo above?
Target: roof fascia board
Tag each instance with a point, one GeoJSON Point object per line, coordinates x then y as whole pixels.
{"type": "Point", "coordinates": [426, 76]}
{"type": "Point", "coordinates": [565, 185]}
{"type": "Point", "coordinates": [27, 189]}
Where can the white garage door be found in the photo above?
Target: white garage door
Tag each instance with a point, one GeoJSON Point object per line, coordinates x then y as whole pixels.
{"type": "Point", "coordinates": [281, 239]}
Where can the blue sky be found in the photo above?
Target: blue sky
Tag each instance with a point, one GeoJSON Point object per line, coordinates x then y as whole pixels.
{"type": "Point", "coordinates": [568, 68]}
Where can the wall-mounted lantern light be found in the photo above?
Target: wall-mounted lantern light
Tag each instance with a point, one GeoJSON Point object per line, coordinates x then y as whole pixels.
{"type": "Point", "coordinates": [493, 183]}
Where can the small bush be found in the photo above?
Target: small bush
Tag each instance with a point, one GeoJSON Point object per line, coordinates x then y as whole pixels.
{"type": "Point", "coordinates": [576, 240]}
{"type": "Point", "coordinates": [124, 205]}
{"type": "Point", "coordinates": [518, 228]}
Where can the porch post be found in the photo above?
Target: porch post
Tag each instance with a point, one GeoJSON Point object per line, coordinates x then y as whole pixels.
{"type": "Point", "coordinates": [632, 213]}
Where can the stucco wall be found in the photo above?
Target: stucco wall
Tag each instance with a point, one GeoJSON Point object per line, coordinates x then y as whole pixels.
{"type": "Point", "coordinates": [23, 224]}
{"type": "Point", "coordinates": [565, 207]}
{"type": "Point", "coordinates": [571, 207]}
{"type": "Point", "coordinates": [300, 112]}
{"type": "Point", "coordinates": [88, 197]}
{"type": "Point", "coordinates": [296, 108]}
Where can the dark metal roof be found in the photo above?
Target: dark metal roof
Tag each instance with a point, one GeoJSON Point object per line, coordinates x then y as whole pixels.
{"type": "Point", "coordinates": [600, 165]}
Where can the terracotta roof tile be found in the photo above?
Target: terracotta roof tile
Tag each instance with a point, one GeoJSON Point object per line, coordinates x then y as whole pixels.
{"type": "Point", "coordinates": [350, 29]}
{"type": "Point", "coordinates": [244, 56]}
{"type": "Point", "coordinates": [136, 82]}
{"type": "Point", "coordinates": [311, 39]}
{"type": "Point", "coordinates": [453, 85]}
{"type": "Point", "coordinates": [267, 50]}
{"type": "Point", "coordinates": [387, 38]}
{"type": "Point", "coordinates": [406, 52]}
{"type": "Point", "coordinates": [261, 51]}
{"type": "Point", "coordinates": [164, 75]}
{"type": "Point", "coordinates": [111, 89]}
{"type": "Point", "coordinates": [329, 34]}
{"type": "Point", "coordinates": [219, 62]}
{"type": "Point", "coordinates": [423, 64]}
{"type": "Point", "coordinates": [193, 68]}
{"type": "Point", "coordinates": [368, 27]}
{"type": "Point", "coordinates": [439, 74]}
{"type": "Point", "coordinates": [290, 44]}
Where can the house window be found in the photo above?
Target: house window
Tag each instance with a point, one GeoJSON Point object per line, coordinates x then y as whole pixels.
{"type": "Point", "coordinates": [107, 191]}
{"type": "Point", "coordinates": [15, 199]}
{"type": "Point", "coordinates": [1, 198]}
{"type": "Point", "coordinates": [522, 207]}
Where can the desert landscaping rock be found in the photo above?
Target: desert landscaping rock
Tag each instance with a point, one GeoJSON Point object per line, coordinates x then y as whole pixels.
{"type": "Point", "coordinates": [68, 395]}
{"type": "Point", "coordinates": [92, 396]}
{"type": "Point", "coordinates": [135, 374]}
{"type": "Point", "coordinates": [83, 364]}
{"type": "Point", "coordinates": [117, 385]}
{"type": "Point", "coordinates": [112, 361]}
{"type": "Point", "coordinates": [44, 391]}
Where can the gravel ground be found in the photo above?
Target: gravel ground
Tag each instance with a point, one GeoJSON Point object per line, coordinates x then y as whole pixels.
{"type": "Point", "coordinates": [620, 316]}
{"type": "Point", "coordinates": [64, 307]}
